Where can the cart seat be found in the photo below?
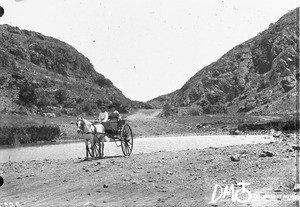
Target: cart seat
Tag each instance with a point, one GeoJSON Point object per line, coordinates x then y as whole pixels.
{"type": "Point", "coordinates": [113, 126]}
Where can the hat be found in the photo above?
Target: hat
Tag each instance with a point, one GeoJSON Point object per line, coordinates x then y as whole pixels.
{"type": "Point", "coordinates": [102, 107]}
{"type": "Point", "coordinates": [112, 106]}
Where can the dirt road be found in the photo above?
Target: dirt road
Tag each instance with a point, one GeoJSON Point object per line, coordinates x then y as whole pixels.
{"type": "Point", "coordinates": [143, 114]}
{"type": "Point", "coordinates": [146, 123]}
{"type": "Point", "coordinates": [180, 178]}
{"type": "Point", "coordinates": [177, 178]}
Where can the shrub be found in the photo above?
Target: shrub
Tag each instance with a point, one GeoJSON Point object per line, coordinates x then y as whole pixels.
{"type": "Point", "coordinates": [27, 94]}
{"type": "Point", "coordinates": [281, 125]}
{"type": "Point", "coordinates": [85, 107]}
{"type": "Point", "coordinates": [31, 133]}
{"type": "Point", "coordinates": [167, 110]}
{"type": "Point", "coordinates": [214, 109]}
{"type": "Point", "coordinates": [195, 111]}
{"type": "Point", "coordinates": [102, 82]}
{"type": "Point", "coordinates": [60, 95]}
{"type": "Point", "coordinates": [45, 99]}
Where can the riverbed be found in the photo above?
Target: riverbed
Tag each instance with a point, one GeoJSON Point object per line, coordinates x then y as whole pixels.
{"type": "Point", "coordinates": [140, 145]}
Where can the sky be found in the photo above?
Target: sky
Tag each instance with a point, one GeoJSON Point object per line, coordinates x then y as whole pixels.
{"type": "Point", "coordinates": [147, 48]}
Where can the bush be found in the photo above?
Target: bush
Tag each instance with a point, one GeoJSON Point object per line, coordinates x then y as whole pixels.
{"type": "Point", "coordinates": [85, 107]}
{"type": "Point", "coordinates": [27, 94]}
{"type": "Point", "coordinates": [195, 111]}
{"type": "Point", "coordinates": [61, 96]}
{"type": "Point", "coordinates": [45, 99]}
{"type": "Point", "coordinates": [167, 110]}
{"type": "Point", "coordinates": [32, 133]}
{"type": "Point", "coordinates": [280, 125]}
{"type": "Point", "coordinates": [214, 109]}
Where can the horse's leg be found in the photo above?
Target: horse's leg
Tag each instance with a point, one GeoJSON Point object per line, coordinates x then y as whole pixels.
{"type": "Point", "coordinates": [102, 146]}
{"type": "Point", "coordinates": [86, 149]}
{"type": "Point", "coordinates": [101, 143]}
{"type": "Point", "coordinates": [92, 146]}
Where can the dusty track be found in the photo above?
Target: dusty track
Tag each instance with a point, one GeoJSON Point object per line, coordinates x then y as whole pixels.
{"type": "Point", "coordinates": [182, 178]}
{"type": "Point", "coordinates": [179, 178]}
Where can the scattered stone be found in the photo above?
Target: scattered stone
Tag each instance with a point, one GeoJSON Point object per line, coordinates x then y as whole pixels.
{"type": "Point", "coordinates": [296, 148]}
{"type": "Point", "coordinates": [50, 115]}
{"type": "Point", "coordinates": [169, 173]}
{"type": "Point", "coordinates": [234, 132]}
{"type": "Point", "coordinates": [268, 153]}
{"type": "Point", "coordinates": [296, 187]}
{"type": "Point", "coordinates": [243, 151]}
{"type": "Point", "coordinates": [105, 186]}
{"type": "Point", "coordinates": [90, 204]}
{"type": "Point", "coordinates": [235, 158]}
{"type": "Point", "coordinates": [277, 134]}
{"type": "Point", "coordinates": [199, 126]}
{"type": "Point", "coordinates": [262, 155]}
{"type": "Point", "coordinates": [215, 148]}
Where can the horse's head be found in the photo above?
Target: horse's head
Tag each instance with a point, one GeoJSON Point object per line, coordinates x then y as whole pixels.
{"type": "Point", "coordinates": [80, 125]}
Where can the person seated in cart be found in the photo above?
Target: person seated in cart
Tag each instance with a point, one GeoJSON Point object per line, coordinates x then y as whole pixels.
{"type": "Point", "coordinates": [113, 118]}
{"type": "Point", "coordinates": [114, 114]}
{"type": "Point", "coordinates": [103, 115]}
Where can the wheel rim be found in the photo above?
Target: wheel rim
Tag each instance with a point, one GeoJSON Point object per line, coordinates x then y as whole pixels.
{"type": "Point", "coordinates": [126, 140]}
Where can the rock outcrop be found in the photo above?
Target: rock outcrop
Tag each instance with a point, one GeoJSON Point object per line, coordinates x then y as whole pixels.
{"type": "Point", "coordinates": [257, 76]}
{"type": "Point", "coordinates": [40, 71]}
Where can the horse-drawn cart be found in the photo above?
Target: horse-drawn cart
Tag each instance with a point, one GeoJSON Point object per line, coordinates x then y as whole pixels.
{"type": "Point", "coordinates": [114, 130]}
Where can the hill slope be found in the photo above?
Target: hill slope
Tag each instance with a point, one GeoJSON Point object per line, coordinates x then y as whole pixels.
{"type": "Point", "coordinates": [39, 71]}
{"type": "Point", "coordinates": [258, 75]}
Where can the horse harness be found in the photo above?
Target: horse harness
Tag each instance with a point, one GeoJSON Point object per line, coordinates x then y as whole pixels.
{"type": "Point", "coordinates": [82, 126]}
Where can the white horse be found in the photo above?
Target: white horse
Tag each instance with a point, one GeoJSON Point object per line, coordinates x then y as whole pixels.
{"type": "Point", "coordinates": [97, 130]}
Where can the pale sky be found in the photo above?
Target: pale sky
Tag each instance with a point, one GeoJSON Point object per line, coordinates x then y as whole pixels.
{"type": "Point", "coordinates": [147, 48]}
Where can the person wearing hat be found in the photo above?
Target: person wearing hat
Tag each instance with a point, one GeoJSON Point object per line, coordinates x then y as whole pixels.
{"type": "Point", "coordinates": [114, 114]}
{"type": "Point", "coordinates": [103, 115]}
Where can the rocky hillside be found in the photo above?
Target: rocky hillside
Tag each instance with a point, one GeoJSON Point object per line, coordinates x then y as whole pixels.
{"type": "Point", "coordinates": [258, 75]}
{"type": "Point", "coordinates": [42, 73]}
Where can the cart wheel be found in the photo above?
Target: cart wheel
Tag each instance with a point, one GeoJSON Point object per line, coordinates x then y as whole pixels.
{"type": "Point", "coordinates": [126, 140]}
{"type": "Point", "coordinates": [90, 148]}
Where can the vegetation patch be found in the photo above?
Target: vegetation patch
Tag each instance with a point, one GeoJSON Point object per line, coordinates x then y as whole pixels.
{"type": "Point", "coordinates": [29, 133]}
{"type": "Point", "coordinates": [280, 125]}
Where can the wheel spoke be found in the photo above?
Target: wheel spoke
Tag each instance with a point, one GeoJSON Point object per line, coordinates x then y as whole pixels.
{"type": "Point", "coordinates": [129, 147]}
